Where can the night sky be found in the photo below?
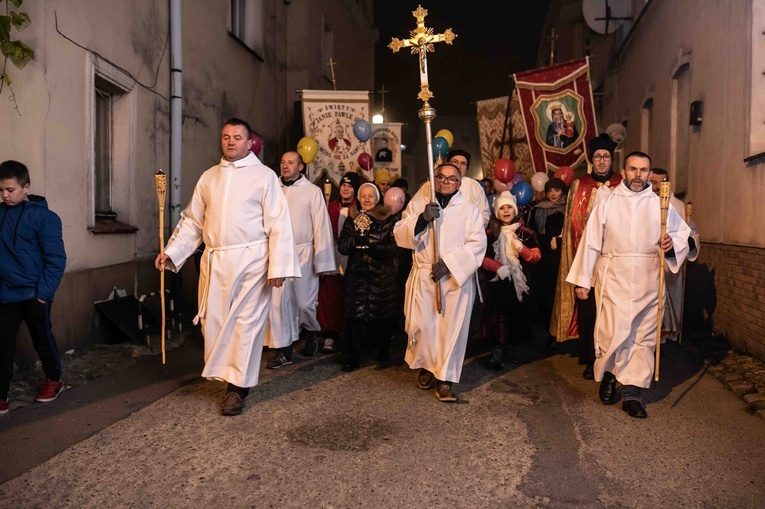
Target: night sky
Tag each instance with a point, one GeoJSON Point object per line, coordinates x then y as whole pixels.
{"type": "Point", "coordinates": [490, 46]}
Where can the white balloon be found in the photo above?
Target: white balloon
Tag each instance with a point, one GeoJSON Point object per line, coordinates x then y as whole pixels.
{"type": "Point", "coordinates": [538, 181]}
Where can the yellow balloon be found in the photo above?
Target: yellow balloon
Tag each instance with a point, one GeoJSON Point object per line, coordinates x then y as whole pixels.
{"type": "Point", "coordinates": [307, 148]}
{"type": "Point", "coordinates": [447, 135]}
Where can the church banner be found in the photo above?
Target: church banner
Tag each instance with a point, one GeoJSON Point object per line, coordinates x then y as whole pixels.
{"type": "Point", "coordinates": [493, 123]}
{"type": "Point", "coordinates": [386, 147]}
{"type": "Point", "coordinates": [558, 113]}
{"type": "Point", "coordinates": [328, 117]}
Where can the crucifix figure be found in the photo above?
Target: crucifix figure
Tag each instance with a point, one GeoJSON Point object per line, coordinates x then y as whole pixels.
{"type": "Point", "coordinates": [421, 40]}
{"type": "Point", "coordinates": [332, 65]}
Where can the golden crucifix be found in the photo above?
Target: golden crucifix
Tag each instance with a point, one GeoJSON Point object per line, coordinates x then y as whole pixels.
{"type": "Point", "coordinates": [421, 41]}
{"type": "Point", "coordinates": [332, 65]}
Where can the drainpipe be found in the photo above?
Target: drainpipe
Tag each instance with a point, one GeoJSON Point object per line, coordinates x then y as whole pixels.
{"type": "Point", "coordinates": [176, 105]}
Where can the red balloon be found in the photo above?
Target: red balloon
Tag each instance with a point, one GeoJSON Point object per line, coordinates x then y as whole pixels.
{"type": "Point", "coordinates": [257, 143]}
{"type": "Point", "coordinates": [566, 174]}
{"type": "Point", "coordinates": [365, 161]}
{"type": "Point", "coordinates": [504, 170]}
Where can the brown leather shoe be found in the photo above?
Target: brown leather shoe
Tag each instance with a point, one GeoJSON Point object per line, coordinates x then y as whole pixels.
{"type": "Point", "coordinates": [233, 404]}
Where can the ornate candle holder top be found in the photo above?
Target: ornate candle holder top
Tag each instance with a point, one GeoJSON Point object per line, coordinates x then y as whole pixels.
{"type": "Point", "coordinates": [421, 40]}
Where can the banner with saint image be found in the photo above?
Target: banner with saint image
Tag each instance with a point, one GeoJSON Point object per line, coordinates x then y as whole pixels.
{"type": "Point", "coordinates": [386, 147]}
{"type": "Point", "coordinates": [558, 113]}
{"type": "Point", "coordinates": [328, 118]}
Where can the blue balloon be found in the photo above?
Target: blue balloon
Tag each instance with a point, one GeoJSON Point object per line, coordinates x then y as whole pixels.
{"type": "Point", "coordinates": [440, 147]}
{"type": "Point", "coordinates": [362, 130]}
{"type": "Point", "coordinates": [523, 193]}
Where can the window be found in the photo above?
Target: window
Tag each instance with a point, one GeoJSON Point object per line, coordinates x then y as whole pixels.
{"type": "Point", "coordinates": [680, 131]}
{"type": "Point", "coordinates": [646, 125]}
{"type": "Point", "coordinates": [246, 24]}
{"type": "Point", "coordinates": [110, 173]}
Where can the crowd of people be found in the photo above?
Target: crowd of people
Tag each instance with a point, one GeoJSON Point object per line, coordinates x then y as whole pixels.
{"type": "Point", "coordinates": [281, 265]}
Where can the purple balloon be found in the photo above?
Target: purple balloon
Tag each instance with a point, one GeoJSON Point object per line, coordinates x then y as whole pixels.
{"type": "Point", "coordinates": [516, 178]}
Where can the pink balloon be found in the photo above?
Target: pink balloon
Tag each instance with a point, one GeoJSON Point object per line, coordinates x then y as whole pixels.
{"type": "Point", "coordinates": [517, 178]}
{"type": "Point", "coordinates": [365, 161]}
{"type": "Point", "coordinates": [257, 144]}
{"type": "Point", "coordinates": [500, 186]}
{"type": "Point", "coordinates": [395, 198]}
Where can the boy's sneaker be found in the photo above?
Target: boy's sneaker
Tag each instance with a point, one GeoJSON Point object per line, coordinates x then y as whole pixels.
{"type": "Point", "coordinates": [50, 391]}
{"type": "Point", "coordinates": [279, 360]}
{"type": "Point", "coordinates": [3, 406]}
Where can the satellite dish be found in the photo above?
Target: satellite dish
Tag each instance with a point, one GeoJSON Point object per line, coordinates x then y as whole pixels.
{"type": "Point", "coordinates": [606, 16]}
{"type": "Point", "coordinates": [617, 132]}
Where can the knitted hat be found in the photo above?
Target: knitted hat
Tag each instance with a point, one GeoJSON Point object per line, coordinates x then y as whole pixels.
{"type": "Point", "coordinates": [505, 198]}
{"type": "Point", "coordinates": [382, 175]}
{"type": "Point", "coordinates": [373, 187]}
{"type": "Point", "coordinates": [458, 152]}
{"type": "Point", "coordinates": [555, 183]}
{"type": "Point", "coordinates": [352, 179]}
{"type": "Point", "coordinates": [602, 142]}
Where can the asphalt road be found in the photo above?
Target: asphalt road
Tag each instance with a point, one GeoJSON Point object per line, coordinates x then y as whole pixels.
{"type": "Point", "coordinates": [531, 435]}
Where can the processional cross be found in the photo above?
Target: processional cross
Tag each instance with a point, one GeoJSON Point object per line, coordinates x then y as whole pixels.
{"type": "Point", "coordinates": [332, 65]}
{"type": "Point", "coordinates": [421, 40]}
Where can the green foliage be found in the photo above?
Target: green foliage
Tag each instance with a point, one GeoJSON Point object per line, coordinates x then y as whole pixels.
{"type": "Point", "coordinates": [16, 51]}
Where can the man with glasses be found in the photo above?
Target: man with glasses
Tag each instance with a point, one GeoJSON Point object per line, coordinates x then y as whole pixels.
{"type": "Point", "coordinates": [573, 318]}
{"type": "Point", "coordinates": [437, 342]}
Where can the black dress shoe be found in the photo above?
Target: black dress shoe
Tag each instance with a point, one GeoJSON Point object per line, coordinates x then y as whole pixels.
{"type": "Point", "coordinates": [588, 373]}
{"type": "Point", "coordinates": [607, 392]}
{"type": "Point", "coordinates": [634, 409]}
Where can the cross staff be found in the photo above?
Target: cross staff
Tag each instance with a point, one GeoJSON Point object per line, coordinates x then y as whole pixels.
{"type": "Point", "coordinates": [332, 65]}
{"type": "Point", "coordinates": [421, 40]}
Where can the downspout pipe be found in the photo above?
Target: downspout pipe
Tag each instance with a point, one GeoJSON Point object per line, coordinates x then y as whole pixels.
{"type": "Point", "coordinates": [176, 109]}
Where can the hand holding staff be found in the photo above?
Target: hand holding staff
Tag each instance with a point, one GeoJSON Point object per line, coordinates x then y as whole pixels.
{"type": "Point", "coordinates": [664, 199]}
{"type": "Point", "coordinates": [160, 180]}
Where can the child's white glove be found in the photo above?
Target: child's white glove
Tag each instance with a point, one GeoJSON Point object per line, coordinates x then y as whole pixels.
{"type": "Point", "coordinates": [517, 244]}
{"type": "Point", "coordinates": [503, 272]}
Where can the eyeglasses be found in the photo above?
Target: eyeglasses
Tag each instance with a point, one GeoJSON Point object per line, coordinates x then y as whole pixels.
{"type": "Point", "coordinates": [601, 158]}
{"type": "Point", "coordinates": [448, 180]}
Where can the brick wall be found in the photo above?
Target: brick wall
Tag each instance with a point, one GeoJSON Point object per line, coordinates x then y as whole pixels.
{"type": "Point", "coordinates": [736, 275]}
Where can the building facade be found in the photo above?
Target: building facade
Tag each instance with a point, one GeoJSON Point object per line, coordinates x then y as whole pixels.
{"type": "Point", "coordinates": [91, 118]}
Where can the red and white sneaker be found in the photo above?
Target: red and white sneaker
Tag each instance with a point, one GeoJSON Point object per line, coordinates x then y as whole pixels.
{"type": "Point", "coordinates": [3, 406]}
{"type": "Point", "coordinates": [50, 391]}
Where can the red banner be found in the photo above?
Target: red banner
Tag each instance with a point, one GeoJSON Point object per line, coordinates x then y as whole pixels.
{"type": "Point", "coordinates": [558, 113]}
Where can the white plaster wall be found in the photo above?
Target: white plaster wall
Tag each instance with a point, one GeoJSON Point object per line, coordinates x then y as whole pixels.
{"type": "Point", "coordinates": [726, 193]}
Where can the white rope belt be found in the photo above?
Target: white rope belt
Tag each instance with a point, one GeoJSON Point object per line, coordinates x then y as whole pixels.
{"type": "Point", "coordinates": [210, 252]}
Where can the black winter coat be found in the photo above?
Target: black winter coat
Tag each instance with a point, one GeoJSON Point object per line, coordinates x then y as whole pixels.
{"type": "Point", "coordinates": [370, 277]}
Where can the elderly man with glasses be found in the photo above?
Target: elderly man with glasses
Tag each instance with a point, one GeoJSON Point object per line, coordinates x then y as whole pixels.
{"type": "Point", "coordinates": [572, 318]}
{"type": "Point", "coordinates": [437, 342]}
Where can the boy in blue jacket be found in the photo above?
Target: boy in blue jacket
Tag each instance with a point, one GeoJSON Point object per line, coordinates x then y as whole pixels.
{"type": "Point", "coordinates": [32, 262]}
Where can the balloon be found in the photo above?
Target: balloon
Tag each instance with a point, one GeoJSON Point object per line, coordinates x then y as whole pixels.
{"type": "Point", "coordinates": [566, 174]}
{"type": "Point", "coordinates": [365, 161]}
{"type": "Point", "coordinates": [500, 186]}
{"type": "Point", "coordinates": [517, 178]}
{"type": "Point", "coordinates": [538, 181]}
{"type": "Point", "coordinates": [523, 193]}
{"type": "Point", "coordinates": [257, 143]}
{"type": "Point", "coordinates": [447, 135]}
{"type": "Point", "coordinates": [504, 170]}
{"type": "Point", "coordinates": [307, 148]}
{"type": "Point", "coordinates": [440, 147]}
{"type": "Point", "coordinates": [362, 130]}
{"type": "Point", "coordinates": [394, 198]}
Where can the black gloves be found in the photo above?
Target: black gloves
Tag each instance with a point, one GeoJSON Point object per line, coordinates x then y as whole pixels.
{"type": "Point", "coordinates": [431, 212]}
{"type": "Point", "coordinates": [439, 270]}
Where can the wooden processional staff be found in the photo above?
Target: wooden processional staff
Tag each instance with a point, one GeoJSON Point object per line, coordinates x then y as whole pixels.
{"type": "Point", "coordinates": [160, 180]}
{"type": "Point", "coordinates": [421, 41]}
{"type": "Point", "coordinates": [664, 199]}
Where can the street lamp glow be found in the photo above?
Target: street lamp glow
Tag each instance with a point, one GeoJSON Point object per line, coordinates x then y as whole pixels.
{"type": "Point", "coordinates": [378, 119]}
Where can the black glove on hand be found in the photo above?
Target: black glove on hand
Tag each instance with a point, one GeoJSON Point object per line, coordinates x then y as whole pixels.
{"type": "Point", "coordinates": [439, 270]}
{"type": "Point", "coordinates": [431, 212]}
{"type": "Point", "coordinates": [361, 242]}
